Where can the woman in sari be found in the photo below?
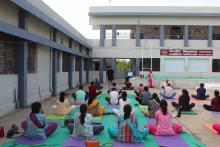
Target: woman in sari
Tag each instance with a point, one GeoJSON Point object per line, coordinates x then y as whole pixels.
{"type": "Point", "coordinates": [150, 79]}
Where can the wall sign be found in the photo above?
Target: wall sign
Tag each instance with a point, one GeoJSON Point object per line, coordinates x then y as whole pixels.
{"type": "Point", "coordinates": [173, 52]}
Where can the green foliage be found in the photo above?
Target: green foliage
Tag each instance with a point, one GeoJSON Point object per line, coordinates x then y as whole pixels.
{"type": "Point", "coordinates": [123, 65]}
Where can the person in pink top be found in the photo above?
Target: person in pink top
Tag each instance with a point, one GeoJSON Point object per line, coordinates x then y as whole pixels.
{"type": "Point", "coordinates": [139, 90]}
{"type": "Point", "coordinates": [150, 79]}
{"type": "Point", "coordinates": [163, 124]}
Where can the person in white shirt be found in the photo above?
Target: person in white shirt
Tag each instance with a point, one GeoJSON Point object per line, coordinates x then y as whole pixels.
{"type": "Point", "coordinates": [113, 97]}
{"type": "Point", "coordinates": [168, 92]}
{"type": "Point", "coordinates": [122, 102]}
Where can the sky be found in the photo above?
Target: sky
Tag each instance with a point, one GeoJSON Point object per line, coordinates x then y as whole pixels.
{"type": "Point", "coordinates": [75, 12]}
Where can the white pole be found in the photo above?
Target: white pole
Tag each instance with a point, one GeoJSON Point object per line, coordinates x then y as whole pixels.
{"type": "Point", "coordinates": [142, 56]}
{"type": "Point", "coordinates": [151, 56]}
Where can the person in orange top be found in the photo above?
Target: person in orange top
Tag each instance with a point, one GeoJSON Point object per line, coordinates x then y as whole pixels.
{"type": "Point", "coordinates": [95, 109]}
{"type": "Point", "coordinates": [215, 104]}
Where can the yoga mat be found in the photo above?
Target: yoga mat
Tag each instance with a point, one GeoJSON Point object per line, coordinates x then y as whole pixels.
{"type": "Point", "coordinates": [121, 144]}
{"type": "Point", "coordinates": [151, 121]}
{"type": "Point", "coordinates": [56, 117]}
{"type": "Point", "coordinates": [113, 106]}
{"type": "Point", "coordinates": [209, 126]}
{"type": "Point", "coordinates": [24, 140]}
{"type": "Point", "coordinates": [73, 142]}
{"type": "Point", "coordinates": [189, 113]}
{"type": "Point", "coordinates": [171, 141]}
{"type": "Point", "coordinates": [215, 112]}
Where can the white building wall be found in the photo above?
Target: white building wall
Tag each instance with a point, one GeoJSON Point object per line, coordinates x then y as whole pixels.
{"type": "Point", "coordinates": [8, 12]}
{"type": "Point", "coordinates": [62, 81]}
{"type": "Point", "coordinates": [61, 36]}
{"type": "Point", "coordinates": [93, 75]}
{"type": "Point", "coordinates": [75, 78]}
{"type": "Point", "coordinates": [38, 84]}
{"type": "Point", "coordinates": [38, 27]}
{"type": "Point", "coordinates": [8, 86]}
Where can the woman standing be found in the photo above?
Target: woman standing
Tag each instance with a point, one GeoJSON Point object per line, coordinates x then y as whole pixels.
{"type": "Point", "coordinates": [150, 79]}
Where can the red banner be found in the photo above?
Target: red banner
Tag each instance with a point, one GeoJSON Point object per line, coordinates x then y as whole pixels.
{"type": "Point", "coordinates": [173, 52]}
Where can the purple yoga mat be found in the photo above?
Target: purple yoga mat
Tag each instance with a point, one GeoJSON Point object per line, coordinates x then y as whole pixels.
{"type": "Point", "coordinates": [151, 121]}
{"type": "Point", "coordinates": [73, 142]}
{"type": "Point", "coordinates": [113, 106]}
{"type": "Point", "coordinates": [215, 112]}
{"type": "Point", "coordinates": [24, 140]}
{"type": "Point", "coordinates": [171, 141]}
{"type": "Point", "coordinates": [121, 144]}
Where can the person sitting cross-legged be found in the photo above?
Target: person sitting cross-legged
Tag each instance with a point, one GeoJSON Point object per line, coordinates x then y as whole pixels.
{"type": "Point", "coordinates": [163, 124]}
{"type": "Point", "coordinates": [80, 96]}
{"type": "Point", "coordinates": [184, 102]}
{"type": "Point", "coordinates": [36, 126]}
{"type": "Point", "coordinates": [98, 85]}
{"type": "Point", "coordinates": [215, 103]}
{"type": "Point", "coordinates": [201, 93]}
{"type": "Point", "coordinates": [128, 129]}
{"type": "Point", "coordinates": [113, 97]}
{"type": "Point", "coordinates": [144, 97]}
{"type": "Point", "coordinates": [168, 92]}
{"type": "Point", "coordinates": [93, 90]}
{"type": "Point", "coordinates": [139, 90]}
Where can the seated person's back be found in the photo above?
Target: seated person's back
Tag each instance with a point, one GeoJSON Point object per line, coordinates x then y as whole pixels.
{"type": "Point", "coordinates": [169, 91]}
{"type": "Point", "coordinates": [113, 95]}
{"type": "Point", "coordinates": [80, 95]}
{"type": "Point", "coordinates": [145, 96]}
{"type": "Point", "coordinates": [62, 105]}
{"type": "Point", "coordinates": [92, 89]}
{"type": "Point", "coordinates": [201, 92]}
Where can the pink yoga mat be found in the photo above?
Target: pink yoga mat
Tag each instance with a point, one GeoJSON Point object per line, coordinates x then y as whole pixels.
{"type": "Point", "coordinates": [171, 141]}
{"type": "Point", "coordinates": [24, 140]}
{"type": "Point", "coordinates": [73, 142]}
{"type": "Point", "coordinates": [121, 144]}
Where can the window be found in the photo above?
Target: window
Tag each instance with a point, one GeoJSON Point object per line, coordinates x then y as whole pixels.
{"type": "Point", "coordinates": [174, 65]}
{"type": "Point", "coordinates": [7, 59]}
{"type": "Point", "coordinates": [147, 64]}
{"type": "Point", "coordinates": [96, 66]}
{"type": "Point", "coordinates": [215, 65]}
{"type": "Point", "coordinates": [32, 57]}
{"type": "Point", "coordinates": [65, 57]}
{"type": "Point", "coordinates": [77, 63]}
{"type": "Point", "coordinates": [58, 60]}
{"type": "Point", "coordinates": [80, 48]}
{"type": "Point", "coordinates": [203, 65]}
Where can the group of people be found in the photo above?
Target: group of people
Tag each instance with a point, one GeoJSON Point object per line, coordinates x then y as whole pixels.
{"type": "Point", "coordinates": [127, 126]}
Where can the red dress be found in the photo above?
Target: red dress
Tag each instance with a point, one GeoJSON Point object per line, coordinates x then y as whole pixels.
{"type": "Point", "coordinates": [150, 80]}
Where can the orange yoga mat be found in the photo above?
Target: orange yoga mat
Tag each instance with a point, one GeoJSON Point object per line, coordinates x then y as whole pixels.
{"type": "Point", "coordinates": [209, 126]}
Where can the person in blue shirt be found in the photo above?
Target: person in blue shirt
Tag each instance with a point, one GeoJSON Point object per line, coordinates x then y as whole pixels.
{"type": "Point", "coordinates": [201, 93]}
{"type": "Point", "coordinates": [36, 126]}
{"type": "Point", "coordinates": [98, 85]}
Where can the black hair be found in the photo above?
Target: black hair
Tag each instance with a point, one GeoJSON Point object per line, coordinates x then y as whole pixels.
{"type": "Point", "coordinates": [114, 84]}
{"type": "Point", "coordinates": [168, 84]}
{"type": "Point", "coordinates": [202, 84]}
{"type": "Point", "coordinates": [127, 111]}
{"type": "Point", "coordinates": [83, 110]}
{"type": "Point", "coordinates": [163, 106]}
{"type": "Point", "coordinates": [36, 107]}
{"type": "Point", "coordinates": [141, 84]}
{"type": "Point", "coordinates": [80, 87]}
{"type": "Point", "coordinates": [113, 89]}
{"type": "Point", "coordinates": [155, 96]}
{"type": "Point", "coordinates": [185, 93]}
{"type": "Point", "coordinates": [91, 98]}
{"type": "Point", "coordinates": [92, 82]}
{"type": "Point", "coordinates": [124, 95]}
{"type": "Point", "coordinates": [216, 93]}
{"type": "Point", "coordinates": [145, 88]}
{"type": "Point", "coordinates": [62, 96]}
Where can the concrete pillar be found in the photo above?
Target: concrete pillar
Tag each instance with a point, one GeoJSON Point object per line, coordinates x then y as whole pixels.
{"type": "Point", "coordinates": [87, 69]}
{"type": "Point", "coordinates": [114, 35]}
{"type": "Point", "coordinates": [186, 36]}
{"type": "Point", "coordinates": [133, 64]}
{"type": "Point", "coordinates": [114, 64]}
{"type": "Point", "coordinates": [137, 67]}
{"type": "Point", "coordinates": [80, 70]}
{"type": "Point", "coordinates": [54, 72]}
{"type": "Point", "coordinates": [21, 61]}
{"type": "Point", "coordinates": [70, 71]}
{"type": "Point", "coordinates": [102, 36]}
{"type": "Point", "coordinates": [209, 36]}
{"type": "Point", "coordinates": [161, 35]}
{"type": "Point", "coordinates": [138, 44]}
{"type": "Point", "coordinates": [101, 69]}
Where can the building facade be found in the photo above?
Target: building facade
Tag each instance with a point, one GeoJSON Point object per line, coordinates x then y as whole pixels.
{"type": "Point", "coordinates": [176, 41]}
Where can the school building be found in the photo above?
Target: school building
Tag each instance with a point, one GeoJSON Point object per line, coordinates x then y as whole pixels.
{"type": "Point", "coordinates": [177, 41]}
{"type": "Point", "coordinates": [41, 54]}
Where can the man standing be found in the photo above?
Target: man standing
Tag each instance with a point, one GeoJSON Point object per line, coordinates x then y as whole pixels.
{"type": "Point", "coordinates": [110, 76]}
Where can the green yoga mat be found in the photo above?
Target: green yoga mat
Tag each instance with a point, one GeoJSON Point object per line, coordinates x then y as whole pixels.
{"type": "Point", "coordinates": [189, 113]}
{"type": "Point", "coordinates": [58, 138]}
{"type": "Point", "coordinates": [56, 117]}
